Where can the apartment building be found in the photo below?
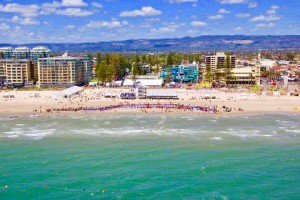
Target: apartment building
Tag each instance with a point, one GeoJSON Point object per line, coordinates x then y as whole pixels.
{"type": "Point", "coordinates": [26, 53]}
{"type": "Point", "coordinates": [15, 72]}
{"type": "Point", "coordinates": [63, 71]}
{"type": "Point", "coordinates": [218, 60]}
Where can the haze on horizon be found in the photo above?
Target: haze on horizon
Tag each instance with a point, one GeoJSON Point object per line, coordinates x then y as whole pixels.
{"type": "Point", "coordinates": [77, 21]}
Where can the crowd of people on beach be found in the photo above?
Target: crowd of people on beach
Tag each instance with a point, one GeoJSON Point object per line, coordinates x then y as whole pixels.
{"type": "Point", "coordinates": [168, 107]}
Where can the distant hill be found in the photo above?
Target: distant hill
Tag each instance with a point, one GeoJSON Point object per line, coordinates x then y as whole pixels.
{"type": "Point", "coordinates": [201, 43]}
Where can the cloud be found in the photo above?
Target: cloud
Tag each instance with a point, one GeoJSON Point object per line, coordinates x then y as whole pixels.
{"type": "Point", "coordinates": [252, 4]}
{"type": "Point", "coordinates": [274, 7]}
{"type": "Point", "coordinates": [215, 17]}
{"type": "Point", "coordinates": [239, 28]}
{"type": "Point", "coordinates": [153, 19]}
{"type": "Point", "coordinates": [168, 28]}
{"type": "Point", "coordinates": [182, 1]}
{"type": "Point", "coordinates": [73, 3]}
{"type": "Point", "coordinates": [262, 25]}
{"type": "Point", "coordinates": [145, 11]}
{"type": "Point", "coordinates": [33, 10]}
{"type": "Point", "coordinates": [24, 10]}
{"type": "Point", "coordinates": [271, 15]}
{"type": "Point", "coordinates": [242, 15]}
{"type": "Point", "coordinates": [232, 1]}
{"type": "Point", "coordinates": [74, 12]}
{"type": "Point", "coordinates": [24, 21]}
{"type": "Point", "coordinates": [48, 8]}
{"type": "Point", "coordinates": [97, 5]}
{"type": "Point", "coordinates": [163, 30]}
{"type": "Point", "coordinates": [106, 24]}
{"type": "Point", "coordinates": [4, 27]}
{"type": "Point", "coordinates": [70, 27]}
{"type": "Point", "coordinates": [54, 8]}
{"type": "Point", "coordinates": [223, 11]}
{"type": "Point", "coordinates": [265, 18]}
{"type": "Point", "coordinates": [198, 24]}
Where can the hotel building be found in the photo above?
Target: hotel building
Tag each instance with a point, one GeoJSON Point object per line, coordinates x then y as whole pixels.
{"type": "Point", "coordinates": [63, 71]}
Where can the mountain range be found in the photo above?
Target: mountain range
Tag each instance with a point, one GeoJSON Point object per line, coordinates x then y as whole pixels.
{"type": "Point", "coordinates": [201, 43]}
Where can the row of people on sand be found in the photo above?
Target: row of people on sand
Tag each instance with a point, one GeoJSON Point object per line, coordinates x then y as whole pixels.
{"type": "Point", "coordinates": [168, 106]}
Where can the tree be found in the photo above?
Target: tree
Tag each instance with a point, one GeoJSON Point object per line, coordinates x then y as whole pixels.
{"type": "Point", "coordinates": [134, 71]}
{"type": "Point", "coordinates": [144, 59]}
{"type": "Point", "coordinates": [290, 56]}
{"type": "Point", "coordinates": [251, 78]}
{"type": "Point", "coordinates": [277, 75]}
{"type": "Point", "coordinates": [156, 62]}
{"type": "Point", "coordinates": [90, 56]}
{"type": "Point", "coordinates": [170, 59]}
{"type": "Point", "coordinates": [101, 73]}
{"type": "Point", "coordinates": [218, 76]}
{"type": "Point", "coordinates": [1, 55]}
{"type": "Point", "coordinates": [110, 72]}
{"type": "Point", "coordinates": [150, 61]}
{"type": "Point", "coordinates": [268, 56]}
{"type": "Point", "coordinates": [228, 69]}
{"type": "Point", "coordinates": [124, 66]}
{"type": "Point", "coordinates": [99, 58]}
{"type": "Point", "coordinates": [197, 57]}
{"type": "Point", "coordinates": [115, 65]}
{"type": "Point", "coordinates": [177, 59]}
{"type": "Point", "coordinates": [136, 59]}
{"type": "Point", "coordinates": [208, 74]}
{"type": "Point", "coordinates": [169, 75]}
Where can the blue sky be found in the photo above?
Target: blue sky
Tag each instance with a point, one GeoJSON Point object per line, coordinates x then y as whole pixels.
{"type": "Point", "coordinates": [28, 21]}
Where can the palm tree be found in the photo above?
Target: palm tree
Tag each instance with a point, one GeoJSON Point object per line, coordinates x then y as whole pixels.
{"type": "Point", "coordinates": [251, 78]}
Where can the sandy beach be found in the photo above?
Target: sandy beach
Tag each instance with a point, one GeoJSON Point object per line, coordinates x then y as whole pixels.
{"type": "Point", "coordinates": [25, 102]}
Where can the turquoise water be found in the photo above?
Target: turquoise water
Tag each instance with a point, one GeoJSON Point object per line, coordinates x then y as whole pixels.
{"type": "Point", "coordinates": [150, 157]}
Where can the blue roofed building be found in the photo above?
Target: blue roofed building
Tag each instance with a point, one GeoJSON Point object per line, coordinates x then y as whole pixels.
{"type": "Point", "coordinates": [182, 73]}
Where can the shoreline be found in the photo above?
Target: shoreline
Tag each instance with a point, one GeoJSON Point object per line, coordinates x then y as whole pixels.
{"type": "Point", "coordinates": [132, 113]}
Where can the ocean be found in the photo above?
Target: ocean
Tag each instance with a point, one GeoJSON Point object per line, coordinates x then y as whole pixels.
{"type": "Point", "coordinates": [95, 156]}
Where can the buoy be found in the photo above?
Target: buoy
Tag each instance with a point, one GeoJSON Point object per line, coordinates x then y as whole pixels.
{"type": "Point", "coordinates": [6, 187]}
{"type": "Point", "coordinates": [103, 191]}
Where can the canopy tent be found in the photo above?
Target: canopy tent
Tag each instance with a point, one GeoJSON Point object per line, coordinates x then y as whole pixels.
{"type": "Point", "coordinates": [67, 93]}
{"type": "Point", "coordinates": [244, 95]}
{"type": "Point", "coordinates": [7, 95]}
{"type": "Point", "coordinates": [144, 82]}
{"type": "Point", "coordinates": [110, 95]}
{"type": "Point", "coordinates": [127, 95]}
{"type": "Point", "coordinates": [162, 94]}
{"type": "Point", "coordinates": [92, 84]}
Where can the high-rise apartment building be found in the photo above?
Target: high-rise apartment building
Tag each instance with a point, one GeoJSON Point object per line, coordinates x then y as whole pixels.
{"type": "Point", "coordinates": [15, 72]}
{"type": "Point", "coordinates": [63, 71]}
{"type": "Point", "coordinates": [26, 53]}
{"type": "Point", "coordinates": [218, 60]}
